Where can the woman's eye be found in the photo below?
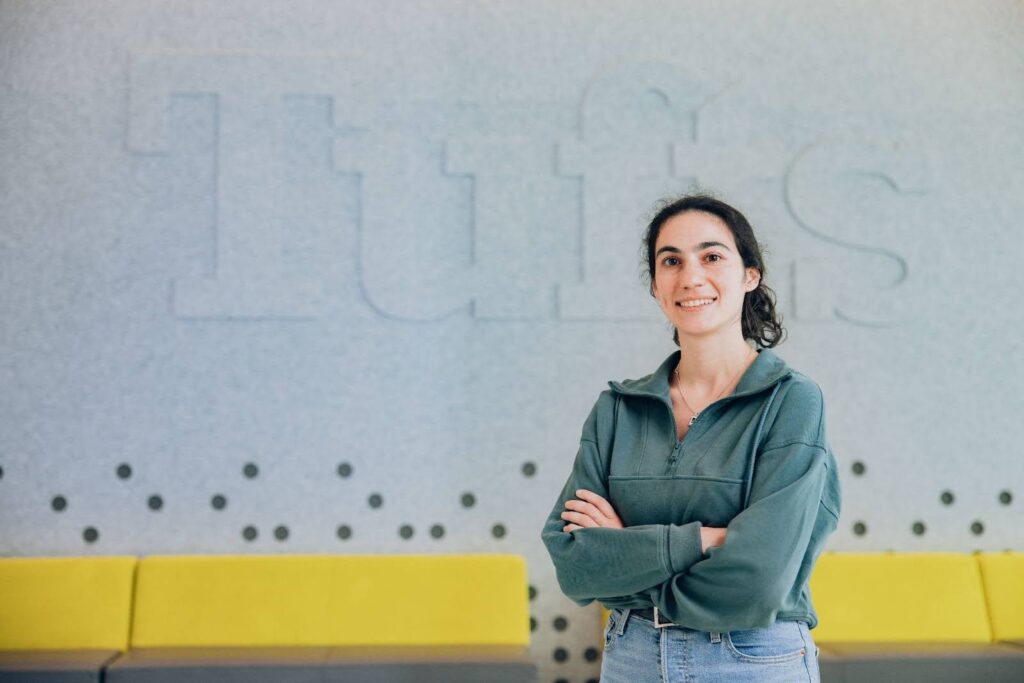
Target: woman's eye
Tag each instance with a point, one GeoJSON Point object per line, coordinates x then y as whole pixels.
{"type": "Point", "coordinates": [716, 256]}
{"type": "Point", "coordinates": [670, 261]}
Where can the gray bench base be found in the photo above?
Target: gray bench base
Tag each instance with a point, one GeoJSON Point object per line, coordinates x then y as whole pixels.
{"type": "Point", "coordinates": [912, 662]}
{"type": "Point", "coordinates": [351, 664]}
{"type": "Point", "coordinates": [54, 666]}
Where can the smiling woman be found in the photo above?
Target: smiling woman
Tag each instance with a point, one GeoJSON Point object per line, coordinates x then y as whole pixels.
{"type": "Point", "coordinates": [728, 249]}
{"type": "Point", "coordinates": [702, 494]}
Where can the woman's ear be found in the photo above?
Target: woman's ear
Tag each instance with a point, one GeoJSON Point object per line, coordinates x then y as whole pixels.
{"type": "Point", "coordinates": [753, 280]}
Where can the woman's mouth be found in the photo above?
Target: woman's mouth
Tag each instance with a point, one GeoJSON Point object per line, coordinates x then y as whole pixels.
{"type": "Point", "coordinates": [695, 304]}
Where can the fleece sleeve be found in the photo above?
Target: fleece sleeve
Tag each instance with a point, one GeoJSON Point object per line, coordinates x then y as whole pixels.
{"type": "Point", "coordinates": [744, 582]}
{"type": "Point", "coordinates": [595, 562]}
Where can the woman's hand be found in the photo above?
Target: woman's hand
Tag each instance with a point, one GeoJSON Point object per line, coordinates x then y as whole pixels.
{"type": "Point", "coordinates": [593, 510]}
{"type": "Point", "coordinates": [711, 536]}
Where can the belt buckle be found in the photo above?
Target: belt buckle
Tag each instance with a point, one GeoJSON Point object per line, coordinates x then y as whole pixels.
{"type": "Point", "coordinates": [658, 624]}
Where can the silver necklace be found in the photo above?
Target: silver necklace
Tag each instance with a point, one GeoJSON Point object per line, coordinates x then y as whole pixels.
{"type": "Point", "coordinates": [679, 388]}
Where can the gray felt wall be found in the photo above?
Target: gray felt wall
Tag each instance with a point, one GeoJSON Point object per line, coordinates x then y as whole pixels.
{"type": "Point", "coordinates": [332, 277]}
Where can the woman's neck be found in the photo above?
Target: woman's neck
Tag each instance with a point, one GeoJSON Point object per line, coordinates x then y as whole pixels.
{"type": "Point", "coordinates": [705, 366]}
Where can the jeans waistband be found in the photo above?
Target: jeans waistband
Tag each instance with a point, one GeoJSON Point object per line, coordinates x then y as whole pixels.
{"type": "Point", "coordinates": [660, 621]}
{"type": "Point", "coordinates": [648, 614]}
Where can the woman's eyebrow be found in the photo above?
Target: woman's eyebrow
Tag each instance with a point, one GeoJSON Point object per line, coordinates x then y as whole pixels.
{"type": "Point", "coordinates": [700, 247]}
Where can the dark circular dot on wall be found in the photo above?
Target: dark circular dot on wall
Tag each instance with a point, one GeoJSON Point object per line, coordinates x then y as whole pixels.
{"type": "Point", "coordinates": [468, 500]}
{"type": "Point", "coordinates": [405, 531]}
{"type": "Point", "coordinates": [533, 592]}
{"type": "Point", "coordinates": [155, 502]}
{"type": "Point", "coordinates": [124, 470]}
{"type": "Point", "coordinates": [860, 528]}
{"type": "Point", "coordinates": [529, 469]}
{"type": "Point", "coordinates": [59, 503]}
{"type": "Point", "coordinates": [858, 468]}
{"type": "Point", "coordinates": [344, 532]}
{"type": "Point", "coordinates": [947, 498]}
{"type": "Point", "coordinates": [437, 531]}
{"type": "Point", "coordinates": [1, 472]}
{"type": "Point", "coordinates": [918, 528]}
{"type": "Point", "coordinates": [250, 470]}
{"type": "Point", "coordinates": [376, 500]}
{"type": "Point", "coordinates": [344, 470]}
{"type": "Point", "coordinates": [249, 533]}
{"type": "Point", "coordinates": [1005, 497]}
{"type": "Point", "coordinates": [560, 623]}
{"type": "Point", "coordinates": [533, 624]}
{"type": "Point", "coordinates": [90, 534]}
{"type": "Point", "coordinates": [560, 654]}
{"type": "Point", "coordinates": [977, 528]}
{"type": "Point", "coordinates": [590, 654]}
{"type": "Point", "coordinates": [498, 531]}
{"type": "Point", "coordinates": [281, 532]}
{"type": "Point", "coordinates": [218, 502]}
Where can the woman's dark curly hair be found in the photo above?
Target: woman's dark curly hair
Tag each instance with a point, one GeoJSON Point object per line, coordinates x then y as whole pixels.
{"type": "Point", "coordinates": [760, 321]}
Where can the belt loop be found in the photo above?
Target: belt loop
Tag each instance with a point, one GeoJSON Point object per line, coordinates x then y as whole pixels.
{"type": "Point", "coordinates": [622, 620]}
{"type": "Point", "coordinates": [716, 637]}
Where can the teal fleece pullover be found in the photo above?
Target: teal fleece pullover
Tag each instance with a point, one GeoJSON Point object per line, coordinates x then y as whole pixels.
{"type": "Point", "coordinates": [757, 462]}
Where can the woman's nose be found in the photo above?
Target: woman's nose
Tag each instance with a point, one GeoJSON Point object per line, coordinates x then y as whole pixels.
{"type": "Point", "coordinates": [692, 275]}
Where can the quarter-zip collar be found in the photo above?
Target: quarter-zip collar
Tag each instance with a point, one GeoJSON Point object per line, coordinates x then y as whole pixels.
{"type": "Point", "coordinates": [766, 370]}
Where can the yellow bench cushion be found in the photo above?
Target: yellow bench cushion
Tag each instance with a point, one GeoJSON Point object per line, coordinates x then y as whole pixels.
{"type": "Point", "coordinates": [65, 603]}
{"type": "Point", "coordinates": [331, 600]}
{"type": "Point", "coordinates": [899, 597]}
{"type": "Point", "coordinates": [1003, 576]}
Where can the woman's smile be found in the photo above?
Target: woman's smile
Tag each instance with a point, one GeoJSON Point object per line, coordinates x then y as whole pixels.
{"type": "Point", "coordinates": [695, 304]}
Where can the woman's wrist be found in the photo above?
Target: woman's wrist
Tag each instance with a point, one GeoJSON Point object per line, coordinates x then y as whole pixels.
{"type": "Point", "coordinates": [711, 536]}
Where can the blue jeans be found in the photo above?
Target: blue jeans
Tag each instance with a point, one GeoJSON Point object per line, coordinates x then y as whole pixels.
{"type": "Point", "coordinates": [637, 652]}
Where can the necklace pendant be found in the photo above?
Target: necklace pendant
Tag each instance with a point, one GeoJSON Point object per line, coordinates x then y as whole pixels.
{"type": "Point", "coordinates": [693, 418]}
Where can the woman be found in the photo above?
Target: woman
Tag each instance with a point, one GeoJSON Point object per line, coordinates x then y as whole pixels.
{"type": "Point", "coordinates": [702, 493]}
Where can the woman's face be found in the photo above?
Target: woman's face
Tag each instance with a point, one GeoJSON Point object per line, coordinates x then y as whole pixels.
{"type": "Point", "coordinates": [696, 259]}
